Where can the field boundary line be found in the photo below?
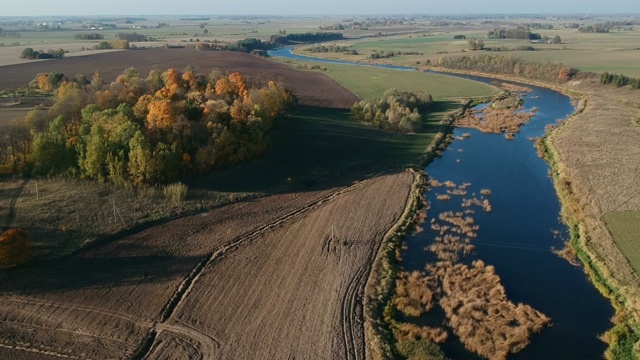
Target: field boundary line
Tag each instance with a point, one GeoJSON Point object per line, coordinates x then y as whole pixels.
{"type": "Point", "coordinates": [40, 351]}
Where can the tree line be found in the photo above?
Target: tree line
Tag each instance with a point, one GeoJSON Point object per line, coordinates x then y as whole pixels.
{"type": "Point", "coordinates": [399, 111]}
{"type": "Point", "coordinates": [513, 33]}
{"type": "Point", "coordinates": [332, 48]}
{"type": "Point", "coordinates": [88, 36]}
{"type": "Point", "coordinates": [619, 80]}
{"type": "Point", "coordinates": [511, 65]}
{"type": "Point", "coordinates": [139, 130]}
{"type": "Point", "coordinates": [606, 27]}
{"type": "Point", "coordinates": [305, 37]}
{"type": "Point", "coordinates": [31, 54]}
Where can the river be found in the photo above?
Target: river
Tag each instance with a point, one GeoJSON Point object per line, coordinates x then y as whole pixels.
{"type": "Point", "coordinates": [517, 235]}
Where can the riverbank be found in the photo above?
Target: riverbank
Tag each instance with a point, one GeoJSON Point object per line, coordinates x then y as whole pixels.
{"type": "Point", "coordinates": [594, 159]}
{"type": "Point", "coordinates": [589, 184]}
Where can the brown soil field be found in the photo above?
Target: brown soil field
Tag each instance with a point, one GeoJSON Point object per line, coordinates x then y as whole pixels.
{"type": "Point", "coordinates": [277, 277]}
{"type": "Point", "coordinates": [311, 88]}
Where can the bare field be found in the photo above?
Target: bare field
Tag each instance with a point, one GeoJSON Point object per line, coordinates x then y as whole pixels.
{"type": "Point", "coordinates": [311, 88]}
{"type": "Point", "coordinates": [278, 276]}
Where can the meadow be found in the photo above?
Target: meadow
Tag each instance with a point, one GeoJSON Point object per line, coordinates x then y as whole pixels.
{"type": "Point", "coordinates": [614, 52]}
{"type": "Point", "coordinates": [624, 227]}
{"type": "Point", "coordinates": [369, 82]}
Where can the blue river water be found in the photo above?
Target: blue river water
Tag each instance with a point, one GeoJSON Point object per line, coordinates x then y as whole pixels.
{"type": "Point", "coordinates": [518, 234]}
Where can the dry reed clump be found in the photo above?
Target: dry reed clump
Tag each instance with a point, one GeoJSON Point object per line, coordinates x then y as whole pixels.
{"type": "Point", "coordinates": [435, 183]}
{"type": "Point", "coordinates": [485, 192]}
{"type": "Point", "coordinates": [455, 234]}
{"type": "Point", "coordinates": [483, 203]}
{"type": "Point", "coordinates": [459, 138]}
{"type": "Point", "coordinates": [509, 136]}
{"type": "Point", "coordinates": [443, 197]}
{"type": "Point", "coordinates": [487, 323]}
{"type": "Point", "coordinates": [413, 332]}
{"type": "Point", "coordinates": [457, 192]}
{"type": "Point", "coordinates": [502, 116]}
{"type": "Point", "coordinates": [415, 293]}
{"type": "Point", "coordinates": [450, 184]}
{"type": "Point", "coordinates": [515, 88]}
{"type": "Point", "coordinates": [466, 135]}
{"type": "Point", "coordinates": [568, 253]}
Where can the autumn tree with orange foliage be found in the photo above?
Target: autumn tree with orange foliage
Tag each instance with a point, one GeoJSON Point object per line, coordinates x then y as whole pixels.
{"type": "Point", "coordinates": [152, 130]}
{"type": "Point", "coordinates": [15, 248]}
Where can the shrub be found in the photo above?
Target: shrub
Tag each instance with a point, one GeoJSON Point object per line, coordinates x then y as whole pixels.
{"type": "Point", "coordinates": [420, 350]}
{"type": "Point", "coordinates": [175, 192]}
{"type": "Point", "coordinates": [15, 248]}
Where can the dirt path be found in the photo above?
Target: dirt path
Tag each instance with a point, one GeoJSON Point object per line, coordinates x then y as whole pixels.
{"type": "Point", "coordinates": [281, 276]}
{"type": "Point", "coordinates": [11, 208]}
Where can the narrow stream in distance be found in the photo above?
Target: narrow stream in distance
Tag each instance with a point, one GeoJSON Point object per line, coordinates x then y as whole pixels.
{"type": "Point", "coordinates": [517, 235]}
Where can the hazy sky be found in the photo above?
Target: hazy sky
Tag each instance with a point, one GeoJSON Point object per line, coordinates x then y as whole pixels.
{"type": "Point", "coordinates": [316, 7]}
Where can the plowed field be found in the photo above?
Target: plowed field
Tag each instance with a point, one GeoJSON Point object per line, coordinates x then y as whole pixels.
{"type": "Point", "coordinates": [278, 277]}
{"type": "Point", "coordinates": [311, 88]}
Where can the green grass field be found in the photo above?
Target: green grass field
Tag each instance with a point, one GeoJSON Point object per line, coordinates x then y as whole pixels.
{"type": "Point", "coordinates": [313, 144]}
{"type": "Point", "coordinates": [615, 52]}
{"type": "Point", "coordinates": [369, 82]}
{"type": "Point", "coordinates": [624, 227]}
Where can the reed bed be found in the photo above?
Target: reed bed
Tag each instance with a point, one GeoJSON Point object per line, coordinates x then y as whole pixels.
{"type": "Point", "coordinates": [472, 297]}
{"type": "Point", "coordinates": [515, 88]}
{"type": "Point", "coordinates": [501, 116]}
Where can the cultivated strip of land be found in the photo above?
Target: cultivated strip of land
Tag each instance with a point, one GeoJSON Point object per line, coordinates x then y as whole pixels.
{"type": "Point", "coordinates": [213, 285]}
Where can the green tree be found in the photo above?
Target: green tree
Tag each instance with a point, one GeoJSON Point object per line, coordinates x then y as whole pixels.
{"type": "Point", "coordinates": [93, 161]}
{"type": "Point", "coordinates": [29, 53]}
{"type": "Point", "coordinates": [475, 44]}
{"type": "Point", "coordinates": [141, 166]}
{"type": "Point", "coordinates": [51, 155]}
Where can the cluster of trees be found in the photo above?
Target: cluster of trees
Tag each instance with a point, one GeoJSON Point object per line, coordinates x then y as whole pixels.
{"type": "Point", "coordinates": [88, 36]}
{"type": "Point", "coordinates": [139, 130]}
{"type": "Point", "coordinates": [132, 37]}
{"type": "Point", "coordinates": [387, 54]}
{"type": "Point", "coordinates": [362, 25]}
{"type": "Point", "coordinates": [497, 64]}
{"type": "Point", "coordinates": [513, 33]}
{"type": "Point", "coordinates": [101, 26]}
{"type": "Point", "coordinates": [399, 111]}
{"type": "Point", "coordinates": [113, 44]}
{"type": "Point", "coordinates": [309, 37]}
{"type": "Point", "coordinates": [248, 45]}
{"type": "Point", "coordinates": [556, 39]}
{"type": "Point", "coordinates": [29, 53]}
{"type": "Point", "coordinates": [619, 80]}
{"type": "Point", "coordinates": [475, 44]}
{"type": "Point", "coordinates": [606, 27]}
{"type": "Point", "coordinates": [332, 48]}
{"type": "Point", "coordinates": [540, 26]}
{"type": "Point", "coordinates": [459, 37]}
